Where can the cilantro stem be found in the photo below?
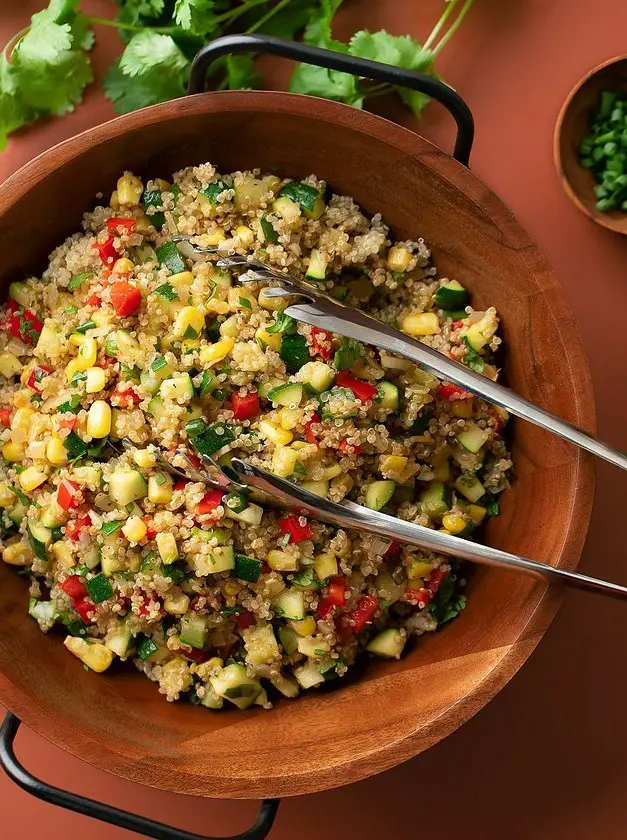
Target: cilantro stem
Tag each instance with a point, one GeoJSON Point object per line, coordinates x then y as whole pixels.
{"type": "Point", "coordinates": [436, 29]}
{"type": "Point", "coordinates": [15, 40]}
{"type": "Point", "coordinates": [378, 90]}
{"type": "Point", "coordinates": [270, 14]}
{"type": "Point", "coordinates": [453, 27]}
{"type": "Point", "coordinates": [131, 27]}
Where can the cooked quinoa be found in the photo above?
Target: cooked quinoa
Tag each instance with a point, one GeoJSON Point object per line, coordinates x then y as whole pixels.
{"type": "Point", "coordinates": [211, 595]}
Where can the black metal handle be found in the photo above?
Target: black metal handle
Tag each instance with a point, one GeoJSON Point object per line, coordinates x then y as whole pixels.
{"type": "Point", "coordinates": [107, 813]}
{"type": "Point", "coordinates": [332, 60]}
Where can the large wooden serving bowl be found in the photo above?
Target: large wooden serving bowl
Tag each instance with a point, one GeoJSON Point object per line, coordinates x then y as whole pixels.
{"type": "Point", "coordinates": [394, 710]}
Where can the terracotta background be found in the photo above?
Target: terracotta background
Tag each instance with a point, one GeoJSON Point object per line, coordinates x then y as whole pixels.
{"type": "Point", "coordinates": [546, 759]}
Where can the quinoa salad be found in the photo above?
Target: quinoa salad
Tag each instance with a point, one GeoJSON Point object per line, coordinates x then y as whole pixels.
{"type": "Point", "coordinates": [127, 336]}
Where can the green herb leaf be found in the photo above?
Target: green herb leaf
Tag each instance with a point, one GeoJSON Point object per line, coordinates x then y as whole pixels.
{"type": "Point", "coordinates": [166, 291]}
{"type": "Point", "coordinates": [109, 528]}
{"type": "Point", "coordinates": [282, 324]}
{"type": "Point", "coordinates": [79, 279]}
{"type": "Point", "coordinates": [245, 303]}
{"type": "Point", "coordinates": [472, 358]}
{"type": "Point", "coordinates": [347, 353]}
{"type": "Point", "coordinates": [74, 446]}
{"type": "Point", "coordinates": [196, 16]}
{"type": "Point", "coordinates": [70, 406]}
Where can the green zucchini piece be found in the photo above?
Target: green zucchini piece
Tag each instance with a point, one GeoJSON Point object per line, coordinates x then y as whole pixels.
{"type": "Point", "coordinates": [40, 538]}
{"type": "Point", "coordinates": [451, 295]}
{"type": "Point", "coordinates": [233, 684]}
{"type": "Point", "coordinates": [379, 493]}
{"type": "Point", "coordinates": [214, 438]}
{"type": "Point", "coordinates": [288, 394]}
{"type": "Point", "coordinates": [290, 603]}
{"type": "Point", "coordinates": [436, 499]}
{"type": "Point", "coordinates": [194, 629]}
{"type": "Point", "coordinates": [125, 486]}
{"type": "Point", "coordinates": [389, 643]}
{"type": "Point", "coordinates": [168, 255]}
{"type": "Point", "coordinates": [473, 438]}
{"type": "Point", "coordinates": [469, 486]}
{"type": "Point", "coordinates": [294, 351]}
{"type": "Point", "coordinates": [247, 568]}
{"type": "Point", "coordinates": [307, 197]}
{"type": "Point", "coordinates": [388, 395]}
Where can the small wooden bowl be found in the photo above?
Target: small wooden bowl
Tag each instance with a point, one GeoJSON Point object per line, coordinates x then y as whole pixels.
{"type": "Point", "coordinates": [572, 125]}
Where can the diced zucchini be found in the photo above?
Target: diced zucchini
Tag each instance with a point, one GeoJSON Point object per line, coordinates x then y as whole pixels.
{"type": "Point", "coordinates": [309, 674]}
{"type": "Point", "coordinates": [92, 556]}
{"type": "Point", "coordinates": [17, 512]}
{"type": "Point", "coordinates": [479, 334]}
{"type": "Point", "coordinates": [290, 603]}
{"type": "Point", "coordinates": [149, 381]}
{"type": "Point", "coordinates": [387, 588]}
{"type": "Point", "coordinates": [318, 488]}
{"type": "Point", "coordinates": [194, 629]}
{"type": "Point", "coordinates": [288, 394]}
{"type": "Point", "coordinates": [388, 395]}
{"type": "Point", "coordinates": [221, 536]}
{"type": "Point", "coordinates": [221, 559]}
{"type": "Point", "coordinates": [389, 643]}
{"type": "Point", "coordinates": [379, 493]}
{"type": "Point", "coordinates": [40, 539]}
{"type": "Point", "coordinates": [473, 438]}
{"type": "Point", "coordinates": [157, 408]}
{"type": "Point", "coordinates": [43, 611]}
{"type": "Point", "coordinates": [18, 291]}
{"type": "Point", "coordinates": [288, 639]}
{"type": "Point", "coordinates": [294, 351]}
{"type": "Point", "coordinates": [251, 515]}
{"type": "Point", "coordinates": [286, 685]}
{"type": "Point", "coordinates": [325, 566]}
{"type": "Point", "coordinates": [451, 295]}
{"type": "Point", "coordinates": [211, 699]}
{"type": "Point", "coordinates": [287, 209]}
{"type": "Point", "coordinates": [317, 268]}
{"type": "Point", "coordinates": [261, 644]}
{"type": "Point", "coordinates": [313, 647]}
{"type": "Point", "coordinates": [177, 388]}
{"type": "Point", "coordinates": [318, 375]}
{"type": "Point", "coordinates": [247, 568]}
{"type": "Point", "coordinates": [125, 486]}
{"type": "Point", "coordinates": [118, 640]}
{"type": "Point", "coordinates": [52, 516]}
{"type": "Point", "coordinates": [233, 684]}
{"type": "Point", "coordinates": [469, 486]}
{"type": "Point", "coordinates": [436, 499]}
{"type": "Point", "coordinates": [269, 385]}
{"type": "Point", "coordinates": [90, 476]}
{"type": "Point", "coordinates": [308, 198]}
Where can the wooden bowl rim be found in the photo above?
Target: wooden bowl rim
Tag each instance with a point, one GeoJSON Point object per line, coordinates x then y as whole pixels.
{"type": "Point", "coordinates": [33, 712]}
{"type": "Point", "coordinates": [602, 219]}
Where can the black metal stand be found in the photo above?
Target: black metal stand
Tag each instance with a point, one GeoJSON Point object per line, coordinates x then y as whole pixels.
{"type": "Point", "coordinates": [463, 143]}
{"type": "Point", "coordinates": [362, 67]}
{"type": "Point", "coordinates": [107, 813]}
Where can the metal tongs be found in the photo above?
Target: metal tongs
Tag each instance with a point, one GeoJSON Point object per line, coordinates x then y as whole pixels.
{"type": "Point", "coordinates": [320, 310]}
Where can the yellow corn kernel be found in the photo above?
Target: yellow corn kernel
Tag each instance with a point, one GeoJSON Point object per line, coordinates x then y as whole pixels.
{"type": "Point", "coordinates": [462, 408]}
{"type": "Point", "coordinates": [332, 471]}
{"type": "Point", "coordinates": [95, 655]}
{"type": "Point", "coordinates": [72, 368]}
{"type": "Point", "coordinates": [181, 278]}
{"type": "Point", "coordinates": [231, 327]}
{"type": "Point", "coordinates": [423, 323]}
{"type": "Point", "coordinates": [167, 547]}
{"type": "Point", "coordinates": [398, 258]}
{"type": "Point", "coordinates": [160, 489]}
{"type": "Point", "coordinates": [216, 352]}
{"type": "Point", "coordinates": [17, 552]}
{"type": "Point", "coordinates": [76, 339]}
{"type": "Point", "coordinates": [144, 458]}
{"type": "Point", "coordinates": [454, 523]}
{"type": "Point", "coordinates": [189, 323]}
{"type": "Point", "coordinates": [305, 627]}
{"type": "Point", "coordinates": [130, 189]}
{"type": "Point", "coordinates": [476, 514]}
{"type": "Point", "coordinates": [36, 450]}
{"type": "Point", "coordinates": [270, 303]}
{"type": "Point", "coordinates": [31, 477]}
{"type": "Point", "coordinates": [281, 561]}
{"type": "Point", "coordinates": [266, 339]}
{"type": "Point", "coordinates": [87, 353]}
{"type": "Point", "coordinates": [7, 496]}
{"type": "Point", "coordinates": [245, 236]}
{"type": "Point", "coordinates": [10, 365]}
{"type": "Point", "coordinates": [289, 417]}
{"type": "Point", "coordinates": [418, 569]}
{"type": "Point", "coordinates": [99, 419]}
{"type": "Point", "coordinates": [22, 419]}
{"type": "Point", "coordinates": [122, 266]}
{"type": "Point", "coordinates": [95, 380]}
{"type": "Point", "coordinates": [177, 602]}
{"type": "Point", "coordinates": [13, 451]}
{"type": "Point", "coordinates": [134, 529]}
{"type": "Point", "coordinates": [102, 319]}
{"type": "Point", "coordinates": [62, 554]}
{"type": "Point", "coordinates": [217, 306]}
{"type": "Point", "coordinates": [114, 201]}
{"type": "Point", "coordinates": [214, 237]}
{"type": "Point", "coordinates": [231, 587]}
{"type": "Point", "coordinates": [281, 437]}
{"type": "Point", "coordinates": [343, 483]}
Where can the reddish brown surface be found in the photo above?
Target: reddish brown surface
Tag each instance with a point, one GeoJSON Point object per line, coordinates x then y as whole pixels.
{"type": "Point", "coordinates": [545, 758]}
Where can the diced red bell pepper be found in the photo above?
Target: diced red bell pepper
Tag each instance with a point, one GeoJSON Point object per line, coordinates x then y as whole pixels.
{"type": "Point", "coordinates": [335, 597]}
{"type": "Point", "coordinates": [125, 298]}
{"type": "Point", "coordinates": [74, 529]}
{"type": "Point", "coordinates": [193, 654]}
{"type": "Point", "coordinates": [85, 608]}
{"type": "Point", "coordinates": [108, 253]}
{"type": "Point", "coordinates": [193, 459]}
{"type": "Point", "coordinates": [364, 391]}
{"type": "Point", "coordinates": [310, 437]}
{"type": "Point", "coordinates": [125, 397]}
{"type": "Point", "coordinates": [144, 608]}
{"type": "Point", "coordinates": [68, 423]}
{"type": "Point", "coordinates": [244, 407]}
{"type": "Point", "coordinates": [151, 531]}
{"type": "Point", "coordinates": [180, 484]}
{"type": "Point", "coordinates": [209, 502]}
{"type": "Point", "coordinates": [69, 494]}
{"type": "Point", "coordinates": [449, 392]}
{"type": "Point", "coordinates": [321, 342]}
{"type": "Point", "coordinates": [5, 417]}
{"type": "Point", "coordinates": [349, 448]}
{"type": "Point", "coordinates": [36, 376]}
{"type": "Point", "coordinates": [93, 300]}
{"type": "Point", "coordinates": [291, 524]}
{"type": "Point", "coordinates": [74, 587]}
{"type": "Point", "coordinates": [23, 324]}
{"type": "Point", "coordinates": [424, 596]}
{"type": "Point", "coordinates": [457, 324]}
{"type": "Point", "coordinates": [392, 549]}
{"type": "Point", "coordinates": [117, 225]}
{"type": "Point", "coordinates": [355, 621]}
{"type": "Point", "coordinates": [244, 619]}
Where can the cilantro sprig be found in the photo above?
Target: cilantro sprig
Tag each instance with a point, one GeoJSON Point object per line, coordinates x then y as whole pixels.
{"type": "Point", "coordinates": [45, 68]}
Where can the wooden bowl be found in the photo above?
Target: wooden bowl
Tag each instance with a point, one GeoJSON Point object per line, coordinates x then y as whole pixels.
{"type": "Point", "coordinates": [572, 126]}
{"type": "Point", "coordinates": [394, 710]}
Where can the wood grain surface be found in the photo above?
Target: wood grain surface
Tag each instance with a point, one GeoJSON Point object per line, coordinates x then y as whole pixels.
{"type": "Point", "coordinates": [397, 709]}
